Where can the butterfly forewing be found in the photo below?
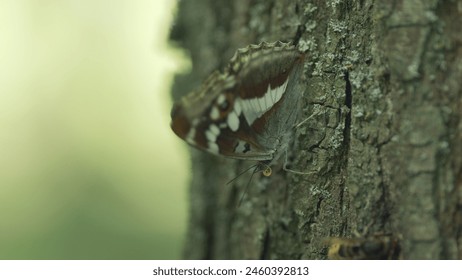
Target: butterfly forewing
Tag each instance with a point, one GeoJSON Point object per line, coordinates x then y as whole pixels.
{"type": "Point", "coordinates": [244, 112]}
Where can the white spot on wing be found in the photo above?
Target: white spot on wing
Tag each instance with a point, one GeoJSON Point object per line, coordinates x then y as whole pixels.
{"type": "Point", "coordinates": [211, 137]}
{"type": "Point", "coordinates": [250, 113]}
{"type": "Point", "coordinates": [276, 93]}
{"type": "Point", "coordinates": [254, 104]}
{"type": "Point", "coordinates": [213, 148]}
{"type": "Point", "coordinates": [233, 121]}
{"type": "Point", "coordinates": [262, 100]}
{"type": "Point", "coordinates": [190, 136]}
{"type": "Point", "coordinates": [214, 113]}
{"type": "Point", "coordinates": [237, 107]}
{"type": "Point", "coordinates": [254, 108]}
{"type": "Point", "coordinates": [213, 128]}
{"type": "Point", "coordinates": [221, 99]}
{"type": "Point", "coordinates": [212, 134]}
{"type": "Point", "coordinates": [240, 148]}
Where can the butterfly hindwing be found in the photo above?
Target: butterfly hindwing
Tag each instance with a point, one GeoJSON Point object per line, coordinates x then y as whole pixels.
{"type": "Point", "coordinates": [243, 112]}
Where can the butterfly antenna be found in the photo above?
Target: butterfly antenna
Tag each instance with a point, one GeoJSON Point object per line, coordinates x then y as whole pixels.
{"type": "Point", "coordinates": [243, 172]}
{"type": "Point", "coordinates": [259, 167]}
{"type": "Point", "coordinates": [255, 170]}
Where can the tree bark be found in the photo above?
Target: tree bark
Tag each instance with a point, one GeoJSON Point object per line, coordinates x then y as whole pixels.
{"type": "Point", "coordinates": [382, 152]}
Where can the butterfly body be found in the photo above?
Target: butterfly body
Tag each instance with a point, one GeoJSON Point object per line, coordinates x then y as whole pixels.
{"type": "Point", "coordinates": [249, 110]}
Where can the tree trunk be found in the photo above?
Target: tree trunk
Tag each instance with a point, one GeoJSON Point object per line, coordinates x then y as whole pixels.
{"type": "Point", "coordinates": [383, 151]}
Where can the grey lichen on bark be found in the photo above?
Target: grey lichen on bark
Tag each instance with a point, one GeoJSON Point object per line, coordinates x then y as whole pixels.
{"type": "Point", "coordinates": [381, 152]}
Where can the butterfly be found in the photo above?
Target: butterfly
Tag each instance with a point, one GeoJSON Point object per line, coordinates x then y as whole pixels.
{"type": "Point", "coordinates": [247, 111]}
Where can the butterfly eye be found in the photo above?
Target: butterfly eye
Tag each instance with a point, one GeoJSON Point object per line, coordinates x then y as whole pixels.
{"type": "Point", "coordinates": [267, 171]}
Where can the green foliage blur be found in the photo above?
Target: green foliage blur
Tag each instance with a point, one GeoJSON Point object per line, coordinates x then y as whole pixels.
{"type": "Point", "coordinates": [89, 168]}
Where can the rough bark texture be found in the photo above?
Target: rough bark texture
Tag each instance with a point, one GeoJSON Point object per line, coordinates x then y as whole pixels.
{"type": "Point", "coordinates": [383, 152]}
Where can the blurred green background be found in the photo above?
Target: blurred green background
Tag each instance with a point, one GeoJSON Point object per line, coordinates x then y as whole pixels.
{"type": "Point", "coordinates": [89, 168]}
